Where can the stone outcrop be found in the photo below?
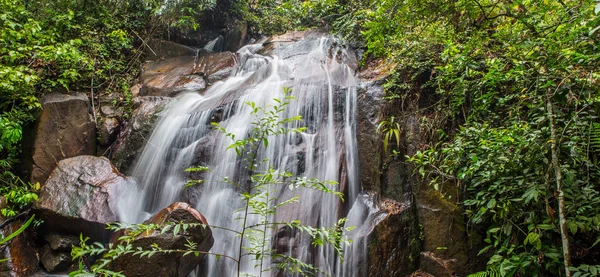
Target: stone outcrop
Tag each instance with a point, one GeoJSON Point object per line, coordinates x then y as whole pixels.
{"type": "Point", "coordinates": [171, 76]}
{"type": "Point", "coordinates": [81, 196]}
{"type": "Point", "coordinates": [63, 130]}
{"type": "Point", "coordinates": [137, 131]}
{"type": "Point", "coordinates": [236, 37]}
{"type": "Point", "coordinates": [369, 141]}
{"type": "Point", "coordinates": [173, 264]}
{"type": "Point", "coordinates": [394, 244]}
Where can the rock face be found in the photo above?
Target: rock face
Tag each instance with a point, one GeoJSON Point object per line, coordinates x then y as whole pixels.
{"type": "Point", "coordinates": [81, 196]}
{"type": "Point", "coordinates": [134, 134]}
{"type": "Point", "coordinates": [54, 261]}
{"type": "Point", "coordinates": [235, 37]}
{"type": "Point", "coordinates": [168, 265]}
{"type": "Point", "coordinates": [172, 76]}
{"type": "Point", "coordinates": [64, 129]}
{"type": "Point", "coordinates": [394, 244]}
{"type": "Point", "coordinates": [369, 141]}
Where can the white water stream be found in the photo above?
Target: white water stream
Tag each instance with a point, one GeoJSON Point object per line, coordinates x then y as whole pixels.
{"type": "Point", "coordinates": [327, 150]}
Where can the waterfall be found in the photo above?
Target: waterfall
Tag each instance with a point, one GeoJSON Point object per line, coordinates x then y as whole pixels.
{"type": "Point", "coordinates": [325, 92]}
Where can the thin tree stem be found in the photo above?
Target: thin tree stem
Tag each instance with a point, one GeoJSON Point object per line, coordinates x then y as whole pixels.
{"type": "Point", "coordinates": [562, 220]}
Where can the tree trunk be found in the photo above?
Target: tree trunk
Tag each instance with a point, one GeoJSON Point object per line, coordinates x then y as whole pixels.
{"type": "Point", "coordinates": [562, 220]}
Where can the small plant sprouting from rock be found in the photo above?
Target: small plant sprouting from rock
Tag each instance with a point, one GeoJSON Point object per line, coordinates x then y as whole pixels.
{"type": "Point", "coordinates": [259, 201]}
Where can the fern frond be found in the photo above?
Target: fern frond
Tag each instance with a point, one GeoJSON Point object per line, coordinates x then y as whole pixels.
{"type": "Point", "coordinates": [595, 136]}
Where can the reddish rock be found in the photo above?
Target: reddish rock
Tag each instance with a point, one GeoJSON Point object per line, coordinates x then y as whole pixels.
{"type": "Point", "coordinates": [81, 196]}
{"type": "Point", "coordinates": [215, 66]}
{"type": "Point", "coordinates": [63, 130]}
{"type": "Point", "coordinates": [175, 75]}
{"type": "Point", "coordinates": [173, 264]}
{"type": "Point", "coordinates": [170, 77]}
{"type": "Point", "coordinates": [21, 252]}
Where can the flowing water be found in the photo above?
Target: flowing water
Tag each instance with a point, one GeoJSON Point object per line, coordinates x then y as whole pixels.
{"type": "Point", "coordinates": [325, 92]}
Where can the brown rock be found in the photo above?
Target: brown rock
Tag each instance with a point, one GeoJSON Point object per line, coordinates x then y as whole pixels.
{"type": "Point", "coordinates": [133, 135]}
{"type": "Point", "coordinates": [81, 196]}
{"type": "Point", "coordinates": [215, 66]}
{"type": "Point", "coordinates": [170, 77]}
{"type": "Point", "coordinates": [63, 130]}
{"type": "Point", "coordinates": [173, 264]}
{"type": "Point", "coordinates": [394, 245]}
{"type": "Point", "coordinates": [21, 252]}
{"type": "Point", "coordinates": [109, 130]}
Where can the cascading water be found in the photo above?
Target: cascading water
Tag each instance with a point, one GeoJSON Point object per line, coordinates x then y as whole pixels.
{"type": "Point", "coordinates": [327, 150]}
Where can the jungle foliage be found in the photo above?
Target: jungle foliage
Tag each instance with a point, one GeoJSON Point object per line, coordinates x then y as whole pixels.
{"type": "Point", "coordinates": [514, 124]}
{"type": "Point", "coordinates": [67, 46]}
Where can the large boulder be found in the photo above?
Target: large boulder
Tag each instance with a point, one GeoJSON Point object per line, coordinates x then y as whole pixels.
{"type": "Point", "coordinates": [172, 264]}
{"type": "Point", "coordinates": [81, 196]}
{"type": "Point", "coordinates": [63, 130]}
{"type": "Point", "coordinates": [236, 36]}
{"type": "Point", "coordinates": [171, 76]}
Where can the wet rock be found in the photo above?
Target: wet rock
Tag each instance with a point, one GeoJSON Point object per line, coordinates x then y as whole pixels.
{"type": "Point", "coordinates": [61, 242]}
{"type": "Point", "coordinates": [54, 261]}
{"type": "Point", "coordinates": [170, 77]}
{"type": "Point", "coordinates": [289, 38]}
{"type": "Point", "coordinates": [160, 49]}
{"type": "Point", "coordinates": [137, 131]}
{"type": "Point", "coordinates": [173, 264]}
{"type": "Point", "coordinates": [236, 37]}
{"type": "Point", "coordinates": [63, 130]}
{"type": "Point", "coordinates": [215, 66]}
{"type": "Point", "coordinates": [20, 251]}
{"type": "Point", "coordinates": [109, 130]}
{"type": "Point", "coordinates": [81, 196]}
{"type": "Point", "coordinates": [441, 217]}
{"type": "Point", "coordinates": [394, 243]}
{"type": "Point", "coordinates": [369, 141]}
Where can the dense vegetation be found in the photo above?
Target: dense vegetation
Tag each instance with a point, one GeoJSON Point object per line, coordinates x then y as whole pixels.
{"type": "Point", "coordinates": [511, 119]}
{"type": "Point", "coordinates": [511, 86]}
